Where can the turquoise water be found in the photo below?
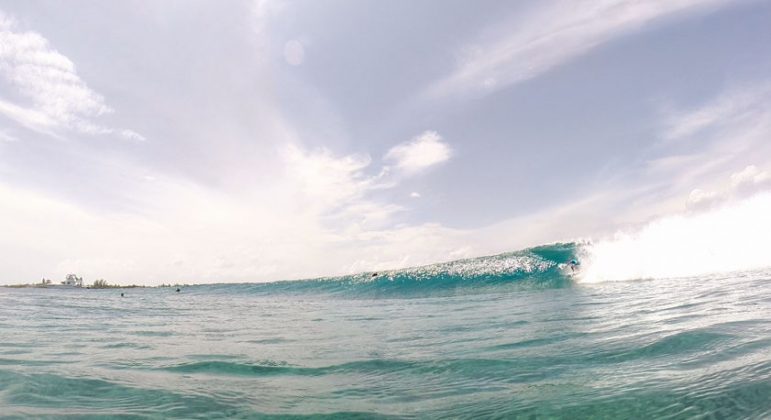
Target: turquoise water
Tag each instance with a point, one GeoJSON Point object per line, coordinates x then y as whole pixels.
{"type": "Point", "coordinates": [498, 337]}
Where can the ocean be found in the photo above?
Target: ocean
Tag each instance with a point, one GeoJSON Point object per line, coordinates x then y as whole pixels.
{"type": "Point", "coordinates": [507, 336]}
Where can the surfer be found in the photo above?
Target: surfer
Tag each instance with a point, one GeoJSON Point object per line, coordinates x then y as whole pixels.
{"type": "Point", "coordinates": [574, 265]}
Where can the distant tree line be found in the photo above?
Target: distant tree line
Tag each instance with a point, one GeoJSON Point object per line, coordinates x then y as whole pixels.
{"type": "Point", "coordinates": [102, 284]}
{"type": "Point", "coordinates": [99, 284]}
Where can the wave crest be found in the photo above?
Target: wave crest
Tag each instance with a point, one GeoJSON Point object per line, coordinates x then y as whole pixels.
{"type": "Point", "coordinates": [539, 267]}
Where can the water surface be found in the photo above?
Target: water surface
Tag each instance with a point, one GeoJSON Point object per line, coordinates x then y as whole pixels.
{"type": "Point", "coordinates": [507, 336]}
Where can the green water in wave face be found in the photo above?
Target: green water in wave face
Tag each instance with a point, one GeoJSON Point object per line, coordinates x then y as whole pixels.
{"type": "Point", "coordinates": [679, 348]}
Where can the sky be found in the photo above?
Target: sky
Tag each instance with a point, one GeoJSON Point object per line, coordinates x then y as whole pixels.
{"type": "Point", "coordinates": [149, 142]}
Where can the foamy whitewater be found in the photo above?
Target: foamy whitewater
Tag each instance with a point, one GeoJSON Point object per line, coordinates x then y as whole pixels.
{"type": "Point", "coordinates": [683, 330]}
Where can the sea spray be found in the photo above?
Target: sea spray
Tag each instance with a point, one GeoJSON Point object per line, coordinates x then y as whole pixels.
{"type": "Point", "coordinates": [733, 237]}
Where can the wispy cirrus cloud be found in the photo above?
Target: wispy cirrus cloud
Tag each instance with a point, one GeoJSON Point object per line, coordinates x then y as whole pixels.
{"type": "Point", "coordinates": [5, 137]}
{"type": "Point", "coordinates": [552, 33]}
{"type": "Point", "coordinates": [735, 123]}
{"type": "Point", "coordinates": [740, 106]}
{"type": "Point", "coordinates": [55, 97]}
{"type": "Point", "coordinates": [702, 149]}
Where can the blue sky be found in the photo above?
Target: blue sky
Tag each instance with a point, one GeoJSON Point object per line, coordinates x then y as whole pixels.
{"type": "Point", "coordinates": [208, 141]}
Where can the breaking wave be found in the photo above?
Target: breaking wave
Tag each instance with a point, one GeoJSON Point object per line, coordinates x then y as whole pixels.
{"type": "Point", "coordinates": [539, 267]}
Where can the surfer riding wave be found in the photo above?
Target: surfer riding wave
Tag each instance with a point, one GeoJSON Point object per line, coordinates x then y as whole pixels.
{"type": "Point", "coordinates": [574, 265]}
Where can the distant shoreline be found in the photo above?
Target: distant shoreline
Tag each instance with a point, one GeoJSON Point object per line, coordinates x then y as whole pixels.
{"type": "Point", "coordinates": [62, 286]}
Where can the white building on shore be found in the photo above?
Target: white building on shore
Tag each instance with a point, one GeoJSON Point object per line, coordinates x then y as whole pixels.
{"type": "Point", "coordinates": [73, 281]}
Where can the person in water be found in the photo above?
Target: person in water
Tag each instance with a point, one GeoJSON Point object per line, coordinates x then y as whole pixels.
{"type": "Point", "coordinates": [574, 265]}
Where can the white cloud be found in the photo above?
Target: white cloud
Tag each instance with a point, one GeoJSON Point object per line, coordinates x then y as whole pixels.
{"type": "Point", "coordinates": [699, 199]}
{"type": "Point", "coordinates": [338, 188]}
{"type": "Point", "coordinates": [326, 178]}
{"type": "Point", "coordinates": [744, 183]}
{"type": "Point", "coordinates": [415, 194]}
{"type": "Point", "coordinates": [131, 135]}
{"type": "Point", "coordinates": [552, 33]}
{"type": "Point", "coordinates": [29, 118]}
{"type": "Point", "coordinates": [750, 176]}
{"type": "Point", "coordinates": [419, 153]}
{"type": "Point", "coordinates": [57, 97]}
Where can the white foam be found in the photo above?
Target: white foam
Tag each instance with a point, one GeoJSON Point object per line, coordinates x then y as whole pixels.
{"type": "Point", "coordinates": [734, 237]}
